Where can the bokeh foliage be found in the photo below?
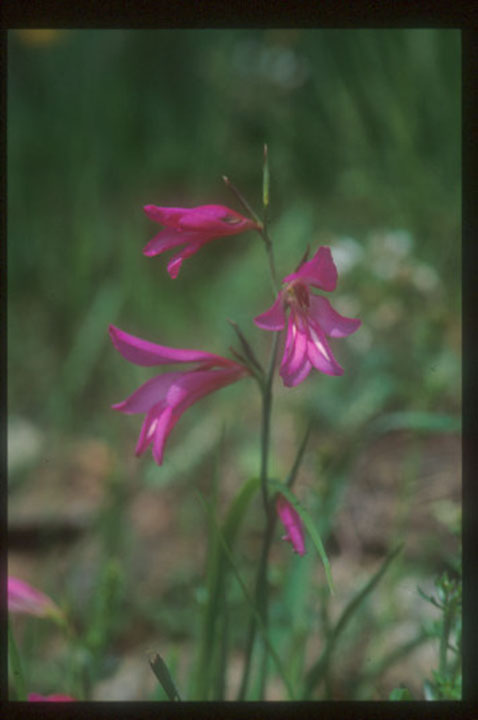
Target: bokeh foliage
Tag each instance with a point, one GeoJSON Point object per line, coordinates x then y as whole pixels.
{"type": "Point", "coordinates": [363, 131]}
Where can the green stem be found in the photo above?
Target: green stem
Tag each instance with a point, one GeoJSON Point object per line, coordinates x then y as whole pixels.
{"type": "Point", "coordinates": [270, 256]}
{"type": "Point", "coordinates": [448, 617]}
{"type": "Point", "coordinates": [261, 580]}
{"type": "Point", "coordinates": [266, 421]}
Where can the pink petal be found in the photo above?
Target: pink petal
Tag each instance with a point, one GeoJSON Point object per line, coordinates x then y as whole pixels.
{"type": "Point", "coordinates": [35, 697]}
{"type": "Point", "coordinates": [320, 354]}
{"type": "Point", "coordinates": [161, 433]}
{"type": "Point", "coordinates": [174, 265]}
{"type": "Point", "coordinates": [292, 523]}
{"type": "Point", "coordinates": [168, 239]}
{"type": "Point", "coordinates": [215, 219]}
{"type": "Point", "coordinates": [142, 352]}
{"type": "Point", "coordinates": [150, 393]}
{"type": "Point", "coordinates": [274, 317]}
{"type": "Point", "coordinates": [190, 388]}
{"type": "Point", "coordinates": [23, 598]}
{"type": "Point", "coordinates": [291, 379]}
{"type": "Point", "coordinates": [320, 271]}
{"type": "Point", "coordinates": [168, 216]}
{"type": "Point", "coordinates": [146, 435]}
{"type": "Point", "coordinates": [331, 322]}
{"type": "Point", "coordinates": [194, 385]}
{"type": "Point", "coordinates": [178, 393]}
{"type": "Point", "coordinates": [295, 348]}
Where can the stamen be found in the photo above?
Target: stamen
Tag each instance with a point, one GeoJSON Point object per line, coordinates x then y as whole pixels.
{"type": "Point", "coordinates": [302, 294]}
{"type": "Point", "coordinates": [231, 220]}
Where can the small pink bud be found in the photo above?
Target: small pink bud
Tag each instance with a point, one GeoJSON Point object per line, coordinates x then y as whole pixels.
{"type": "Point", "coordinates": [292, 523]}
{"type": "Point", "coordinates": [23, 598]}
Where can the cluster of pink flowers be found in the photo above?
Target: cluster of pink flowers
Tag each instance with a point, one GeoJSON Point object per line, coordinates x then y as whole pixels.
{"type": "Point", "coordinates": [165, 397]}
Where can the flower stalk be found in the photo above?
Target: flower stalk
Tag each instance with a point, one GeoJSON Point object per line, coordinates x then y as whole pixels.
{"type": "Point", "coordinates": [305, 316]}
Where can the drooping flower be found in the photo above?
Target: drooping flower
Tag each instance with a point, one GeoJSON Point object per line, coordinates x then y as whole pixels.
{"type": "Point", "coordinates": [35, 697]}
{"type": "Point", "coordinates": [164, 398]}
{"type": "Point", "coordinates": [23, 598]}
{"type": "Point", "coordinates": [311, 318]}
{"type": "Point", "coordinates": [291, 520]}
{"type": "Point", "coordinates": [192, 227]}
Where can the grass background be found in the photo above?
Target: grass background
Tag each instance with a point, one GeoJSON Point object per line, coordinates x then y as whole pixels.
{"type": "Point", "coordinates": [363, 129]}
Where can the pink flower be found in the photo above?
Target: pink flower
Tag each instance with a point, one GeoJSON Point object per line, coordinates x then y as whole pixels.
{"type": "Point", "coordinates": [192, 227]}
{"type": "Point", "coordinates": [23, 598]}
{"type": "Point", "coordinates": [34, 697]}
{"type": "Point", "coordinates": [165, 397]}
{"type": "Point", "coordinates": [311, 318]}
{"type": "Point", "coordinates": [292, 523]}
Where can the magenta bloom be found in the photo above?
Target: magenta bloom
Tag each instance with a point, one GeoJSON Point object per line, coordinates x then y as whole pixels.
{"type": "Point", "coordinates": [192, 227]}
{"type": "Point", "coordinates": [311, 318]}
{"type": "Point", "coordinates": [35, 697]}
{"type": "Point", "coordinates": [165, 397]}
{"type": "Point", "coordinates": [291, 520]}
{"type": "Point", "coordinates": [23, 598]}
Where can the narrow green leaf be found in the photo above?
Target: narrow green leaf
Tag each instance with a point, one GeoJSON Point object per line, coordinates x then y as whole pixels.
{"type": "Point", "coordinates": [265, 179]}
{"type": "Point", "coordinates": [161, 671]}
{"type": "Point", "coordinates": [429, 598]}
{"type": "Point", "coordinates": [216, 578]}
{"type": "Point", "coordinates": [16, 666]}
{"type": "Point", "coordinates": [298, 459]}
{"type": "Point", "coordinates": [250, 602]}
{"type": "Point", "coordinates": [248, 351]}
{"type": "Point", "coordinates": [418, 421]}
{"type": "Point", "coordinates": [279, 487]}
{"type": "Point", "coordinates": [319, 669]}
{"type": "Point", "coordinates": [238, 509]}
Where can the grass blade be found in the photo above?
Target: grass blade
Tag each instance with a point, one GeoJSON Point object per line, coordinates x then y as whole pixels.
{"type": "Point", "coordinates": [161, 671]}
{"type": "Point", "coordinates": [16, 666]}
{"type": "Point", "coordinates": [298, 459]}
{"type": "Point", "coordinates": [217, 571]}
{"type": "Point", "coordinates": [318, 670]}
{"type": "Point", "coordinates": [250, 603]}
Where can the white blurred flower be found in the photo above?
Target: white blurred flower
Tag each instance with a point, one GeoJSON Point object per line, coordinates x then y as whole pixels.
{"type": "Point", "coordinates": [346, 252]}
{"type": "Point", "coordinates": [398, 243]}
{"type": "Point", "coordinates": [388, 251]}
{"type": "Point", "coordinates": [425, 278]}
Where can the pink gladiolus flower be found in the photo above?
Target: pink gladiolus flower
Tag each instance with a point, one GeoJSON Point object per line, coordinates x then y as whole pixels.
{"type": "Point", "coordinates": [35, 697]}
{"type": "Point", "coordinates": [192, 227]}
{"type": "Point", "coordinates": [292, 523]}
{"type": "Point", "coordinates": [23, 598]}
{"type": "Point", "coordinates": [165, 397]}
{"type": "Point", "coordinates": [311, 318]}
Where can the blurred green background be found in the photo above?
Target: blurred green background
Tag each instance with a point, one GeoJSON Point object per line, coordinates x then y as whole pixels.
{"type": "Point", "coordinates": [363, 129]}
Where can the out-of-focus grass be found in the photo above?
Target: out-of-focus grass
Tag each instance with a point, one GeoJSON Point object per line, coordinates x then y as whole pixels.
{"type": "Point", "coordinates": [363, 129]}
{"type": "Point", "coordinates": [103, 122]}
